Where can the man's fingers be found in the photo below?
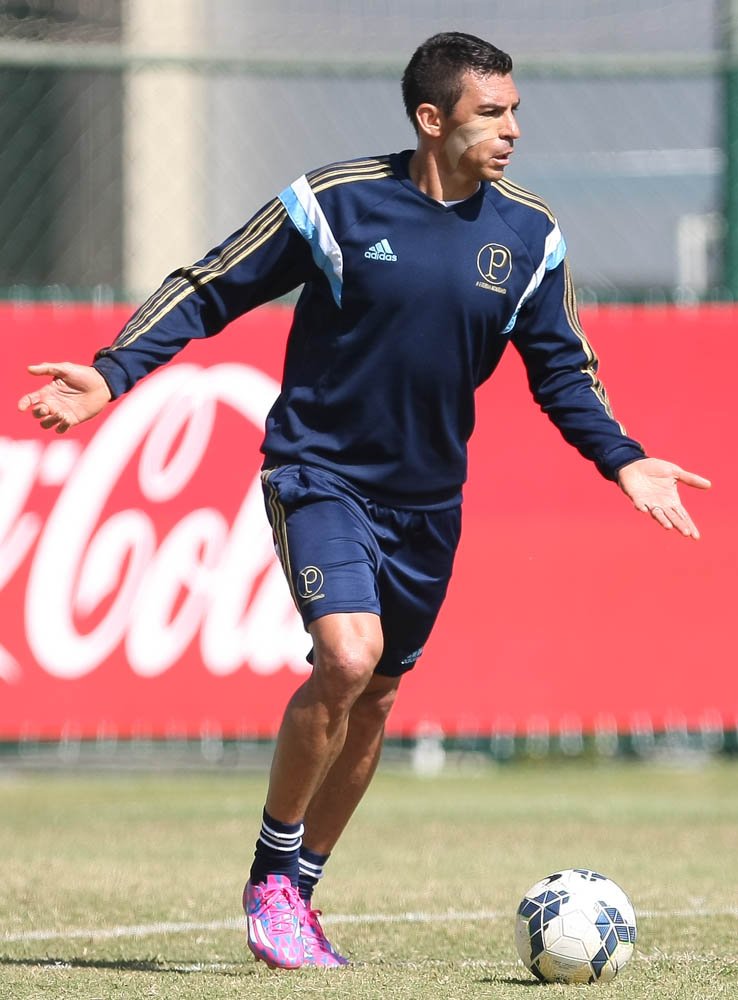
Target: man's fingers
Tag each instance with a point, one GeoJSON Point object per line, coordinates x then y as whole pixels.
{"type": "Point", "coordinates": [33, 402]}
{"type": "Point", "coordinates": [659, 514]}
{"type": "Point", "coordinates": [692, 479]}
{"type": "Point", "coordinates": [684, 523]}
{"type": "Point", "coordinates": [55, 369]}
{"type": "Point", "coordinates": [674, 517]}
{"type": "Point", "coordinates": [25, 402]}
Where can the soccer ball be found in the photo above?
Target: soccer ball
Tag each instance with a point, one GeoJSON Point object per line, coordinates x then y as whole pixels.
{"type": "Point", "coordinates": [575, 926]}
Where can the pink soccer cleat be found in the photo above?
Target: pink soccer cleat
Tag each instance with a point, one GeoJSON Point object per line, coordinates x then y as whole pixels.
{"type": "Point", "coordinates": [318, 949]}
{"type": "Point", "coordinates": [273, 909]}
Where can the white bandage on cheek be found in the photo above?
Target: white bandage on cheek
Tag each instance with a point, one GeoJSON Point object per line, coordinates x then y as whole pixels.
{"type": "Point", "coordinates": [466, 136]}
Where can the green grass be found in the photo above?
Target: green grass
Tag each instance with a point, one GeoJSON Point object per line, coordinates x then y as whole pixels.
{"type": "Point", "coordinates": [84, 855]}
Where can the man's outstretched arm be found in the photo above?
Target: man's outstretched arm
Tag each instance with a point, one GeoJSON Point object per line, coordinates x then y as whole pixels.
{"type": "Point", "coordinates": [652, 486]}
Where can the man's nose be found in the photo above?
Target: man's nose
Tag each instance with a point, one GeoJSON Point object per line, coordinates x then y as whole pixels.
{"type": "Point", "coordinates": [511, 129]}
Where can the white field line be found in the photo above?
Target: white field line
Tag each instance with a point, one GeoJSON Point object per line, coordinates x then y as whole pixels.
{"type": "Point", "coordinates": [185, 927]}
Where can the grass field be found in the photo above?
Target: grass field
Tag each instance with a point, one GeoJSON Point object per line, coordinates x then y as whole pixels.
{"type": "Point", "coordinates": [129, 885]}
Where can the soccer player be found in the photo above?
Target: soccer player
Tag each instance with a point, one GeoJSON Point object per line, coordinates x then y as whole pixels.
{"type": "Point", "coordinates": [419, 268]}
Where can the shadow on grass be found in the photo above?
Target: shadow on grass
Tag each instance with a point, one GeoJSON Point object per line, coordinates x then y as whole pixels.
{"type": "Point", "coordinates": [128, 965]}
{"type": "Point", "coordinates": [507, 981]}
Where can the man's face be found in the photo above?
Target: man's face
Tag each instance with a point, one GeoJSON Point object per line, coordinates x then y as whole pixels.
{"type": "Point", "coordinates": [482, 129]}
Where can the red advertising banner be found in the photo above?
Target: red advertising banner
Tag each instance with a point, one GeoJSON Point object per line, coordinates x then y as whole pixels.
{"type": "Point", "coordinates": [139, 593]}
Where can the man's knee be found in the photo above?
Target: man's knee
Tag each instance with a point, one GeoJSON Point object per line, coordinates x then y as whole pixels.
{"type": "Point", "coordinates": [347, 648]}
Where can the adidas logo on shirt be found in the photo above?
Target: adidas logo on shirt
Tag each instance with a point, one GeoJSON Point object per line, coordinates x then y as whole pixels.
{"type": "Point", "coordinates": [381, 251]}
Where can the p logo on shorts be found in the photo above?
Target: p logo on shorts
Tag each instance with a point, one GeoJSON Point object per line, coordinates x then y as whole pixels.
{"type": "Point", "coordinates": [310, 584]}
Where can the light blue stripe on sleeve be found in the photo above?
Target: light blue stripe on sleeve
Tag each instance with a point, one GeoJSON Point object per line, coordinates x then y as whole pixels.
{"type": "Point", "coordinates": [308, 218]}
{"type": "Point", "coordinates": [554, 252]}
{"type": "Point", "coordinates": [556, 255]}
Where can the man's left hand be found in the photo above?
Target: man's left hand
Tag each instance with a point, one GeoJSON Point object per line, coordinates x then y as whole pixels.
{"type": "Point", "coordinates": [651, 484]}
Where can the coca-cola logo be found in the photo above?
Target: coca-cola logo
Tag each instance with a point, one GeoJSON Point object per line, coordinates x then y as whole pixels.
{"type": "Point", "coordinates": [210, 580]}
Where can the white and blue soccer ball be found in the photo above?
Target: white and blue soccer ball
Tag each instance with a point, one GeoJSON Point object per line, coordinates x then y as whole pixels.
{"type": "Point", "coordinates": [575, 926]}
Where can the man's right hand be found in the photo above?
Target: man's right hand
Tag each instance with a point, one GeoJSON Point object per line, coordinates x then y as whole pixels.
{"type": "Point", "coordinates": [77, 393]}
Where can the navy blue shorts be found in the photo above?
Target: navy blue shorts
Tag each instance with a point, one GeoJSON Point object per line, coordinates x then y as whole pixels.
{"type": "Point", "coordinates": [344, 553]}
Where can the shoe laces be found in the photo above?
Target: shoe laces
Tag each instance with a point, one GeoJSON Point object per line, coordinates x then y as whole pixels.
{"type": "Point", "coordinates": [278, 906]}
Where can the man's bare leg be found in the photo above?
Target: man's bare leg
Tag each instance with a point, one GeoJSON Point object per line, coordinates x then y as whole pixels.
{"type": "Point", "coordinates": [333, 804]}
{"type": "Point", "coordinates": [347, 647]}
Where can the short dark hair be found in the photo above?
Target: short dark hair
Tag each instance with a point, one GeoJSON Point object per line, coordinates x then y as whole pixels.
{"type": "Point", "coordinates": [434, 73]}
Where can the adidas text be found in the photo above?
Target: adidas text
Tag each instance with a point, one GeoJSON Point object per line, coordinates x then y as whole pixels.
{"type": "Point", "coordinates": [381, 251]}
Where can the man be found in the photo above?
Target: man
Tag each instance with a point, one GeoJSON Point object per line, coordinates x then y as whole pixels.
{"type": "Point", "coordinates": [418, 269]}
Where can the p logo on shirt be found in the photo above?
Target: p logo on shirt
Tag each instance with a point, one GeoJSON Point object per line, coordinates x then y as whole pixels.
{"type": "Point", "coordinates": [494, 263]}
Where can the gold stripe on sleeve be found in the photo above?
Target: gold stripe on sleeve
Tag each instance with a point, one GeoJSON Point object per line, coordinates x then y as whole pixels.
{"type": "Point", "coordinates": [516, 193]}
{"type": "Point", "coordinates": [351, 171]}
{"type": "Point", "coordinates": [260, 229]}
{"type": "Point", "coordinates": [590, 369]}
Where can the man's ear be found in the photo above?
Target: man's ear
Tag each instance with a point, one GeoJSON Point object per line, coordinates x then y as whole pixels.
{"type": "Point", "coordinates": [430, 120]}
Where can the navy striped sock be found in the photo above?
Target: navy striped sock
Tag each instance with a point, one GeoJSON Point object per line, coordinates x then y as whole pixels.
{"type": "Point", "coordinates": [277, 850]}
{"type": "Point", "coordinates": [311, 872]}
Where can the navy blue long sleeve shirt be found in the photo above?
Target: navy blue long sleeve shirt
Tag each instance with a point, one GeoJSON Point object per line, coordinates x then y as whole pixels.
{"type": "Point", "coordinates": [406, 308]}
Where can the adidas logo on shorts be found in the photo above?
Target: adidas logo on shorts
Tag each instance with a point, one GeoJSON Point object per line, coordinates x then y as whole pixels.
{"type": "Point", "coordinates": [381, 251]}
